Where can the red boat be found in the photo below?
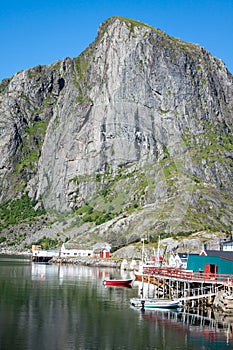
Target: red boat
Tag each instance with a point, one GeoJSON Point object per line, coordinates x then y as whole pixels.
{"type": "Point", "coordinates": [118, 283]}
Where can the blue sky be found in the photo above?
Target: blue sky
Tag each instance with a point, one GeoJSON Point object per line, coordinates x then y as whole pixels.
{"type": "Point", "coordinates": [44, 31]}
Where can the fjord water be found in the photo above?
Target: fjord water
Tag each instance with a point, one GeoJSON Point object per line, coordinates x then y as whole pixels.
{"type": "Point", "coordinates": [67, 307]}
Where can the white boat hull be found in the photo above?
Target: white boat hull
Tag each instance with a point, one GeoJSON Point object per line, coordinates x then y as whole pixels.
{"type": "Point", "coordinates": [155, 303]}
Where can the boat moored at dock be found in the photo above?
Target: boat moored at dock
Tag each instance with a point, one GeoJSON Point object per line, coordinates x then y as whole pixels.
{"type": "Point", "coordinates": [146, 303]}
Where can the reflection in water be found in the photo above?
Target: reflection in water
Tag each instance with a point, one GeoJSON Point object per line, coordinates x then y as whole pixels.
{"type": "Point", "coordinates": [40, 271]}
{"type": "Point", "coordinates": [67, 307]}
{"type": "Point", "coordinates": [209, 333]}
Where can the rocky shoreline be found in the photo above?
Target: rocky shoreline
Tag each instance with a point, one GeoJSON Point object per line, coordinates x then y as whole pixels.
{"type": "Point", "coordinates": [224, 302]}
{"type": "Point", "coordinates": [118, 263]}
{"type": "Point", "coordinates": [86, 261]}
{"type": "Point", "coordinates": [7, 251]}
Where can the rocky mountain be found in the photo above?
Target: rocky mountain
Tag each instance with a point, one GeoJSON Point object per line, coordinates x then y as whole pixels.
{"type": "Point", "coordinates": [131, 138]}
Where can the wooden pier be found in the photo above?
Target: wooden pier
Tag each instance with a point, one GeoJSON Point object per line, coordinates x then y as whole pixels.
{"type": "Point", "coordinates": [191, 288]}
{"type": "Point", "coordinates": [39, 255]}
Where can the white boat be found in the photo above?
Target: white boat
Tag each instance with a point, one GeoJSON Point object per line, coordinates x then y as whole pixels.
{"type": "Point", "coordinates": [146, 303]}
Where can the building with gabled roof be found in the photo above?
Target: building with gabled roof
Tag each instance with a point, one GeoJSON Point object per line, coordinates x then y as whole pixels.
{"type": "Point", "coordinates": [102, 250]}
{"type": "Point", "coordinates": [227, 245]}
{"type": "Point", "coordinates": [73, 249]}
{"type": "Point", "coordinates": [178, 260]}
{"type": "Point", "coordinates": [211, 262]}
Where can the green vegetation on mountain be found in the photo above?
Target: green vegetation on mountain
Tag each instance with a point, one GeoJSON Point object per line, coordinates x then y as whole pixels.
{"type": "Point", "coordinates": [15, 211]}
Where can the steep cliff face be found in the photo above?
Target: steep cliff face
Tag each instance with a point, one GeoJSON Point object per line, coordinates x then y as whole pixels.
{"type": "Point", "coordinates": [139, 126]}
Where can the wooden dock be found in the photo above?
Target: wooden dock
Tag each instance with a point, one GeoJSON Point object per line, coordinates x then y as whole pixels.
{"type": "Point", "coordinates": [43, 255]}
{"type": "Point", "coordinates": [191, 288]}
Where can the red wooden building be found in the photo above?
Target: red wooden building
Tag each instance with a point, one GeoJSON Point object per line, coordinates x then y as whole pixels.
{"type": "Point", "coordinates": [101, 250]}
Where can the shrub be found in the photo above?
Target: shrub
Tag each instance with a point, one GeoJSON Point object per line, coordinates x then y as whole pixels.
{"type": "Point", "coordinates": [18, 210]}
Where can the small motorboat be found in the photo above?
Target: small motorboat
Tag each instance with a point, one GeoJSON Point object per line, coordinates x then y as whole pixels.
{"type": "Point", "coordinates": [145, 303]}
{"type": "Point", "coordinates": [118, 282]}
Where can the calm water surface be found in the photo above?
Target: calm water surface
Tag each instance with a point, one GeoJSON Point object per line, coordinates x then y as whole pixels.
{"type": "Point", "coordinates": [67, 308]}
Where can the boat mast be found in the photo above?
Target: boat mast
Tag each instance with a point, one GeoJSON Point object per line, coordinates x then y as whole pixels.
{"type": "Point", "coordinates": [142, 262]}
{"type": "Point", "coordinates": [158, 250]}
{"type": "Point", "coordinates": [143, 249]}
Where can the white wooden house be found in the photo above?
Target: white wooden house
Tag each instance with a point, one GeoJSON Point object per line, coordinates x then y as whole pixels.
{"type": "Point", "coordinates": [227, 246]}
{"type": "Point", "coordinates": [72, 249]}
{"type": "Point", "coordinates": [178, 260]}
